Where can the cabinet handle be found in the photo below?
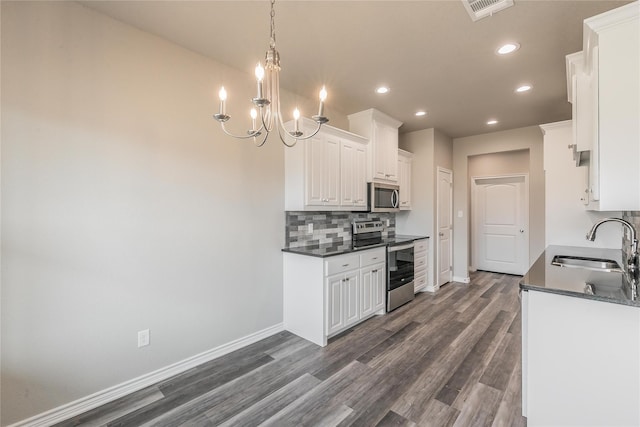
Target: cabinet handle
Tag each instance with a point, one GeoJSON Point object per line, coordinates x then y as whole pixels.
{"type": "Point", "coordinates": [374, 271]}
{"type": "Point", "coordinates": [345, 265]}
{"type": "Point", "coordinates": [346, 280]}
{"type": "Point", "coordinates": [375, 257]}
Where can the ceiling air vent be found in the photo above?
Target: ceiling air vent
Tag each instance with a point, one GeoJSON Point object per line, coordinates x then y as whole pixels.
{"type": "Point", "coordinates": [478, 9]}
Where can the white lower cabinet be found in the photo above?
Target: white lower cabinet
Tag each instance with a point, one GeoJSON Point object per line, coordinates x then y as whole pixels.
{"type": "Point", "coordinates": [579, 361]}
{"type": "Point", "coordinates": [324, 296]}
{"type": "Point", "coordinates": [372, 288]}
{"type": "Point", "coordinates": [420, 266]}
{"type": "Point", "coordinates": [343, 308]}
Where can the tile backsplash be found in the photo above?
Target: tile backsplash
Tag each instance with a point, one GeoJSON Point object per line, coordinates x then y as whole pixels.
{"type": "Point", "coordinates": [329, 227]}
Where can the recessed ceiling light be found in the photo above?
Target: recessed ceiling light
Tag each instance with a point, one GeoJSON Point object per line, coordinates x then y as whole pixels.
{"type": "Point", "coordinates": [523, 88]}
{"type": "Point", "coordinates": [382, 89]}
{"type": "Point", "coordinates": [421, 113]}
{"type": "Point", "coordinates": [492, 122]}
{"type": "Point", "coordinates": [508, 48]}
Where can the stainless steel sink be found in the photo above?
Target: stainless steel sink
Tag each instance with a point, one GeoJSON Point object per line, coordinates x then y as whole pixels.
{"type": "Point", "coordinates": [597, 264]}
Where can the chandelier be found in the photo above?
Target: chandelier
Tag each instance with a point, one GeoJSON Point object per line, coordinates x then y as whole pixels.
{"type": "Point", "coordinates": [268, 115]}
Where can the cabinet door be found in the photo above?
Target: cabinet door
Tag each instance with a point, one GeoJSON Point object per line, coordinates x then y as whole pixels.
{"type": "Point", "coordinates": [315, 172]}
{"type": "Point", "coordinates": [332, 171]}
{"type": "Point", "coordinates": [367, 283]}
{"type": "Point", "coordinates": [335, 304]}
{"type": "Point", "coordinates": [347, 173]}
{"type": "Point", "coordinates": [385, 152]}
{"type": "Point", "coordinates": [379, 151]}
{"type": "Point", "coordinates": [379, 275]}
{"type": "Point", "coordinates": [390, 145]}
{"type": "Point", "coordinates": [350, 297]}
{"type": "Point", "coordinates": [323, 171]}
{"type": "Point", "coordinates": [360, 176]}
{"type": "Point", "coordinates": [404, 181]}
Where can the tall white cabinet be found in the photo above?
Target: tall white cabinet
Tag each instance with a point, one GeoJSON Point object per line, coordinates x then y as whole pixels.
{"type": "Point", "coordinates": [604, 88]}
{"type": "Point", "coordinates": [382, 131]}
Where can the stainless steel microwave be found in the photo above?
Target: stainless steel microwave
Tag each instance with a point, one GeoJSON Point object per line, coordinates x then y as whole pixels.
{"type": "Point", "coordinates": [383, 197]}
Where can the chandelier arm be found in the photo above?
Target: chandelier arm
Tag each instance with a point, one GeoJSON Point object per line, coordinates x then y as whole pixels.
{"type": "Point", "coordinates": [315, 132]}
{"type": "Point", "coordinates": [250, 134]}
{"type": "Point", "coordinates": [282, 126]}
{"type": "Point", "coordinates": [264, 139]}
{"type": "Point", "coordinates": [283, 139]}
{"type": "Point", "coordinates": [266, 117]}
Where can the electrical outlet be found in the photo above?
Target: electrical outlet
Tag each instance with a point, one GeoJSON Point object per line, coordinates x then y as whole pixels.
{"type": "Point", "coordinates": [310, 228]}
{"type": "Point", "coordinates": [143, 338]}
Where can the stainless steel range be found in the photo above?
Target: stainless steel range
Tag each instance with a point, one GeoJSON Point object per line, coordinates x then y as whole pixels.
{"type": "Point", "coordinates": [399, 275]}
{"type": "Point", "coordinates": [399, 261]}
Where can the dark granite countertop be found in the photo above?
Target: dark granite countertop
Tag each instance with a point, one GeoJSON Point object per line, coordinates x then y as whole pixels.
{"type": "Point", "coordinates": [609, 287]}
{"type": "Point", "coordinates": [346, 247]}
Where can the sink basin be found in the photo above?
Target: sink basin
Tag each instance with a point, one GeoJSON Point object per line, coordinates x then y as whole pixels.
{"type": "Point", "coordinates": [598, 264]}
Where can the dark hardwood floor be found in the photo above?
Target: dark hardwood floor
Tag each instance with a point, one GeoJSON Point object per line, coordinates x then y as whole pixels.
{"type": "Point", "coordinates": [446, 359]}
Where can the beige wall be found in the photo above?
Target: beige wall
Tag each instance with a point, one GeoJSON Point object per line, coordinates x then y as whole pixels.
{"type": "Point", "coordinates": [492, 164]}
{"type": "Point", "coordinates": [431, 149]}
{"type": "Point", "coordinates": [529, 138]}
{"type": "Point", "coordinates": [124, 207]}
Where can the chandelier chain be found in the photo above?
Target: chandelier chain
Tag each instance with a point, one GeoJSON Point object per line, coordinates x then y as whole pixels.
{"type": "Point", "coordinates": [272, 42]}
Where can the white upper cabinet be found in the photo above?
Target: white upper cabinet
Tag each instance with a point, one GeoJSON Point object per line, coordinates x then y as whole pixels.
{"type": "Point", "coordinates": [581, 91]}
{"type": "Point", "coordinates": [382, 131]}
{"type": "Point", "coordinates": [322, 183]}
{"type": "Point", "coordinates": [353, 174]}
{"type": "Point", "coordinates": [327, 171]}
{"type": "Point", "coordinates": [405, 163]}
{"type": "Point", "coordinates": [605, 89]}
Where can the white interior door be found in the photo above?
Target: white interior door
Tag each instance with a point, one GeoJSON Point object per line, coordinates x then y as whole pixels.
{"type": "Point", "coordinates": [445, 226]}
{"type": "Point", "coordinates": [500, 218]}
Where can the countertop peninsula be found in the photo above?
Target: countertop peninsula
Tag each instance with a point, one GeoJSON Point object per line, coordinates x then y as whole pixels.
{"type": "Point", "coordinates": [611, 287]}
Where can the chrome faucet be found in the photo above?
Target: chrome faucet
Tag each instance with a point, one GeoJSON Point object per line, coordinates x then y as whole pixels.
{"type": "Point", "coordinates": [632, 263]}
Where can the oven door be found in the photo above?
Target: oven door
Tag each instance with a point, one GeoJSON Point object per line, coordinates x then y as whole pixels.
{"type": "Point", "coordinates": [400, 265]}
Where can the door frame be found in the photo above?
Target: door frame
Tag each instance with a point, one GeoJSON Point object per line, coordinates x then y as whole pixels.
{"type": "Point", "coordinates": [436, 245]}
{"type": "Point", "coordinates": [474, 214]}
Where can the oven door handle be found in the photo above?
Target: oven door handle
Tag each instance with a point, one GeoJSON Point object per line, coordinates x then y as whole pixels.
{"type": "Point", "coordinates": [400, 248]}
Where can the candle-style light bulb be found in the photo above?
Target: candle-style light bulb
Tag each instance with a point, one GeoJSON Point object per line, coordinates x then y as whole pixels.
{"type": "Point", "coordinates": [323, 97]}
{"type": "Point", "coordinates": [223, 97]}
{"type": "Point", "coordinates": [259, 77]}
{"type": "Point", "coordinates": [254, 115]}
{"type": "Point", "coordinates": [296, 118]}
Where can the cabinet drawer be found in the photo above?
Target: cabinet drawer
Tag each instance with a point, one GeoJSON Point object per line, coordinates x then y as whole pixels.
{"type": "Point", "coordinates": [419, 263]}
{"type": "Point", "coordinates": [420, 282]}
{"type": "Point", "coordinates": [372, 257]}
{"type": "Point", "coordinates": [420, 271]}
{"type": "Point", "coordinates": [340, 264]}
{"type": "Point", "coordinates": [420, 246]}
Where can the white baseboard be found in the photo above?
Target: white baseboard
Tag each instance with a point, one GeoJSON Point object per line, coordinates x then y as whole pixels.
{"type": "Point", "coordinates": [461, 279]}
{"type": "Point", "coordinates": [110, 394]}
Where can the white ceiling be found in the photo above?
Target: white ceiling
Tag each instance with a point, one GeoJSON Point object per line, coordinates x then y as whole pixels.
{"type": "Point", "coordinates": [430, 53]}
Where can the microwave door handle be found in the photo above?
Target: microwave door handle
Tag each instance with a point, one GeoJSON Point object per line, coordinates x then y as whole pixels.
{"type": "Point", "coordinates": [394, 198]}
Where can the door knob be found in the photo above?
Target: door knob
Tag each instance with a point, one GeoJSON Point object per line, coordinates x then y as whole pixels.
{"type": "Point", "coordinates": [521, 230]}
{"type": "Point", "coordinates": [441, 234]}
